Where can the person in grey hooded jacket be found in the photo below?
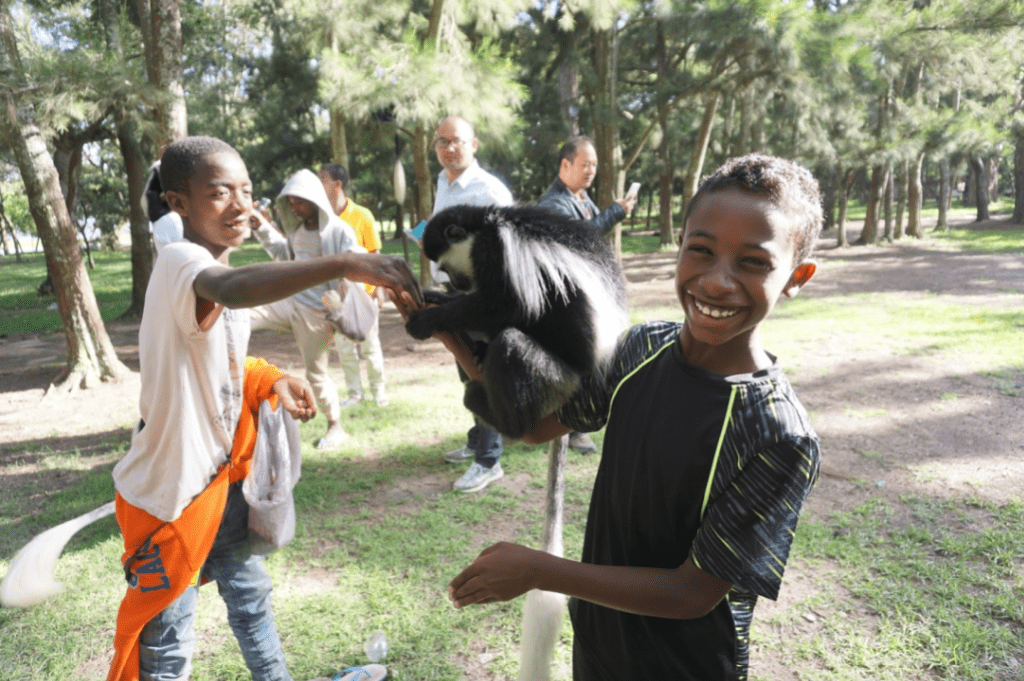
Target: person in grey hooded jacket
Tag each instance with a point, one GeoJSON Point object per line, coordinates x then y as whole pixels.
{"type": "Point", "coordinates": [309, 229]}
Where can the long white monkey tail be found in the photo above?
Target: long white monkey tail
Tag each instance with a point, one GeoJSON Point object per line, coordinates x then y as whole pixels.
{"type": "Point", "coordinates": [544, 611]}
{"type": "Point", "coordinates": [542, 623]}
{"type": "Point", "coordinates": [29, 579]}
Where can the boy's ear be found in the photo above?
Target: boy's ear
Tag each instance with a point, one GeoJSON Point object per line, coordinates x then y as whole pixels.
{"type": "Point", "coordinates": [176, 201]}
{"type": "Point", "coordinates": [801, 275]}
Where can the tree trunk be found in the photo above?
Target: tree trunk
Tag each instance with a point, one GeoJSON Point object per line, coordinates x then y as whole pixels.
{"type": "Point", "coordinates": [650, 206]}
{"type": "Point", "coordinates": [828, 198]}
{"type": "Point", "coordinates": [142, 240]}
{"type": "Point", "coordinates": [135, 169]}
{"type": "Point", "coordinates": [945, 191]}
{"type": "Point", "coordinates": [424, 195]}
{"type": "Point", "coordinates": [67, 159]}
{"type": "Point", "coordinates": [1018, 179]}
{"type": "Point", "coordinates": [664, 148]}
{"type": "Point", "coordinates": [606, 129]}
{"type": "Point", "coordinates": [744, 144]}
{"type": "Point", "coordinates": [1018, 163]}
{"type": "Point", "coordinates": [969, 196]}
{"type": "Point", "coordinates": [569, 94]}
{"type": "Point", "coordinates": [845, 182]}
{"type": "Point", "coordinates": [421, 138]}
{"type": "Point", "coordinates": [992, 174]}
{"type": "Point", "coordinates": [870, 233]}
{"type": "Point", "coordinates": [901, 198]}
{"type": "Point", "coordinates": [5, 222]}
{"type": "Point", "coordinates": [699, 150]}
{"type": "Point", "coordinates": [728, 128]}
{"type": "Point", "coordinates": [3, 231]}
{"type": "Point", "coordinates": [915, 194]}
{"type": "Point", "coordinates": [339, 140]}
{"type": "Point", "coordinates": [979, 170]}
{"type": "Point", "coordinates": [91, 355]}
{"type": "Point", "coordinates": [171, 112]}
{"type": "Point", "coordinates": [887, 199]}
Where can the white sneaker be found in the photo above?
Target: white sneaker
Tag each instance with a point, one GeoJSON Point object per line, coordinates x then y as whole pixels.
{"type": "Point", "coordinates": [478, 477]}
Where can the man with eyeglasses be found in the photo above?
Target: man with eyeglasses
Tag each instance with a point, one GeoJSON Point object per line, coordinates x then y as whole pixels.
{"type": "Point", "coordinates": [577, 168]}
{"type": "Point", "coordinates": [464, 182]}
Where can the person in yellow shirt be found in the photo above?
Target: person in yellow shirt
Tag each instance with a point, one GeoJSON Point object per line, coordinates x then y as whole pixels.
{"type": "Point", "coordinates": [335, 179]}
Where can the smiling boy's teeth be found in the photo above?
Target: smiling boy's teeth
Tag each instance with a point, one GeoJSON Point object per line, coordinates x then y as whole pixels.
{"type": "Point", "coordinates": [713, 312]}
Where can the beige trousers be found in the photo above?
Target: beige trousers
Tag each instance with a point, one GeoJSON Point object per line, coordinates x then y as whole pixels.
{"type": "Point", "coordinates": [350, 353]}
{"type": "Point", "coordinates": [313, 334]}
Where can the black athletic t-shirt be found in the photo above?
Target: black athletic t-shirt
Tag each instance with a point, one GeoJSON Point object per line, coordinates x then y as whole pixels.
{"type": "Point", "coordinates": [694, 465]}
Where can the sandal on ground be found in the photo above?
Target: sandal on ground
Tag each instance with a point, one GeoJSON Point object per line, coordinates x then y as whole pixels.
{"type": "Point", "coordinates": [370, 672]}
{"type": "Point", "coordinates": [333, 442]}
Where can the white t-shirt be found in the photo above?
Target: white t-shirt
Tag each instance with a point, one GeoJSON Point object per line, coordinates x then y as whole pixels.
{"type": "Point", "coordinates": [176, 454]}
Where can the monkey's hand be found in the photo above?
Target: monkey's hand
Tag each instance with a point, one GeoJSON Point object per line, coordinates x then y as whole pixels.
{"type": "Point", "coordinates": [422, 323]}
{"type": "Point", "coordinates": [432, 297]}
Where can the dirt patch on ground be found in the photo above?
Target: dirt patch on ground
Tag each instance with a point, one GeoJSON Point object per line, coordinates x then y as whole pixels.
{"type": "Point", "coordinates": [887, 423]}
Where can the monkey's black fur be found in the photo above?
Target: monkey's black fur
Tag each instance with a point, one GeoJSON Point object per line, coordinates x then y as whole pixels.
{"type": "Point", "coordinates": [545, 291]}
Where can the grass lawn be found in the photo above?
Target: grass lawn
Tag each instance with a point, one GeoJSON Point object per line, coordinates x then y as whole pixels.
{"type": "Point", "coordinates": [919, 588]}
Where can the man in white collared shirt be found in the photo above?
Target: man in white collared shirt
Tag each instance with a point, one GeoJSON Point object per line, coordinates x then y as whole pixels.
{"type": "Point", "coordinates": [464, 182]}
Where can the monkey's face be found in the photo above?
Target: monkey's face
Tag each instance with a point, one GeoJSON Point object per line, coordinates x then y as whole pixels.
{"type": "Point", "coordinates": [457, 261]}
{"type": "Point", "coordinates": [449, 245]}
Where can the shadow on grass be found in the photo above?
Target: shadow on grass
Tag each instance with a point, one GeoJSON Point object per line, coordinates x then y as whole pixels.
{"type": "Point", "coordinates": [919, 268]}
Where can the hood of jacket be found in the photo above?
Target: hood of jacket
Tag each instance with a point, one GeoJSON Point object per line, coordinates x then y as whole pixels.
{"type": "Point", "coordinates": [305, 185]}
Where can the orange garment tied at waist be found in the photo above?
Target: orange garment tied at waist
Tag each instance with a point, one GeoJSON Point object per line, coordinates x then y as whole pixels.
{"type": "Point", "coordinates": [167, 557]}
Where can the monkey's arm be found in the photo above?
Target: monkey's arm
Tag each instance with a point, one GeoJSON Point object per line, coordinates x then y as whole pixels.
{"type": "Point", "coordinates": [470, 312]}
{"type": "Point", "coordinates": [434, 297]}
{"type": "Point", "coordinates": [545, 429]}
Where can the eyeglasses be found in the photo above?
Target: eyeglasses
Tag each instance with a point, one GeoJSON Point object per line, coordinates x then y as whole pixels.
{"type": "Point", "coordinates": [444, 143]}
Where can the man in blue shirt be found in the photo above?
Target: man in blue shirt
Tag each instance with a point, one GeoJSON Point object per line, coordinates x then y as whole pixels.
{"type": "Point", "coordinates": [464, 182]}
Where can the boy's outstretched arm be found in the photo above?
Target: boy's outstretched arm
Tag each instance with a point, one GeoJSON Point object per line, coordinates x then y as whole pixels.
{"type": "Point", "coordinates": [504, 571]}
{"type": "Point", "coordinates": [265, 282]}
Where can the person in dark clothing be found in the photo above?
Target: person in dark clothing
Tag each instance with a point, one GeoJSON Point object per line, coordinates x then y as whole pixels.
{"type": "Point", "coordinates": [577, 168]}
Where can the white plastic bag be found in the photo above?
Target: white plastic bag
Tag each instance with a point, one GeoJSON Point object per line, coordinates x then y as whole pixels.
{"type": "Point", "coordinates": [276, 467]}
{"type": "Point", "coordinates": [354, 315]}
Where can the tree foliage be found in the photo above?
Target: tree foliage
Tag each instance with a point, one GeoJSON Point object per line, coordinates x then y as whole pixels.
{"type": "Point", "coordinates": [853, 88]}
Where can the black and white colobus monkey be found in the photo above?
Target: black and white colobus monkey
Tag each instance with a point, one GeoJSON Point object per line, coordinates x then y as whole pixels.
{"type": "Point", "coordinates": [546, 292]}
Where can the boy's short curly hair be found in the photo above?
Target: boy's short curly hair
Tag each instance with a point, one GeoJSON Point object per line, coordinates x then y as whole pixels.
{"type": "Point", "coordinates": [180, 159]}
{"type": "Point", "coordinates": [787, 184]}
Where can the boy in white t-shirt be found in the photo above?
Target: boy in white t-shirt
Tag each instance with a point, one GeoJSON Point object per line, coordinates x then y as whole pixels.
{"type": "Point", "coordinates": [179, 502]}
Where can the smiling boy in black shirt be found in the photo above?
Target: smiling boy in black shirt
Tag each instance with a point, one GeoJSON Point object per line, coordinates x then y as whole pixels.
{"type": "Point", "coordinates": [708, 454]}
